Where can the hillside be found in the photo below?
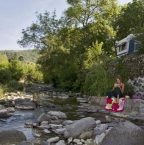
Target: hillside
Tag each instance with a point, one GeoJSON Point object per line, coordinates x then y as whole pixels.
{"type": "Point", "coordinates": [28, 55]}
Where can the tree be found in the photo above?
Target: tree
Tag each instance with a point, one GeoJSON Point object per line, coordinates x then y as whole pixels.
{"type": "Point", "coordinates": [130, 19]}
{"type": "Point", "coordinates": [67, 43]}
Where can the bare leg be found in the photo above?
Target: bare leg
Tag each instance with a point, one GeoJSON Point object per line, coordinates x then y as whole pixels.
{"type": "Point", "coordinates": [117, 98]}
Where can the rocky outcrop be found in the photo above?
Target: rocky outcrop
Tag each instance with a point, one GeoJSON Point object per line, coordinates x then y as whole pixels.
{"type": "Point", "coordinates": [11, 137]}
{"type": "Point", "coordinates": [125, 133]}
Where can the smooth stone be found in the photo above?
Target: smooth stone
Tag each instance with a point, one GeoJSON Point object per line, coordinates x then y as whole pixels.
{"type": "Point", "coordinates": [55, 126]}
{"type": "Point", "coordinates": [60, 131]}
{"type": "Point", "coordinates": [70, 140]}
{"type": "Point", "coordinates": [82, 125]}
{"type": "Point", "coordinates": [77, 141]}
{"type": "Point", "coordinates": [37, 135]}
{"type": "Point", "coordinates": [4, 113]}
{"type": "Point", "coordinates": [61, 142]}
{"type": "Point", "coordinates": [26, 106]}
{"type": "Point", "coordinates": [46, 131]}
{"type": "Point", "coordinates": [98, 139]}
{"type": "Point", "coordinates": [86, 135]}
{"type": "Point", "coordinates": [53, 139]}
{"type": "Point", "coordinates": [43, 126]}
{"type": "Point", "coordinates": [58, 114]}
{"type": "Point", "coordinates": [98, 122]}
{"type": "Point", "coordinates": [44, 122]}
{"type": "Point", "coordinates": [125, 133]}
{"type": "Point", "coordinates": [56, 121]}
{"type": "Point", "coordinates": [43, 117]}
{"type": "Point", "coordinates": [28, 125]}
{"type": "Point", "coordinates": [67, 122]}
{"type": "Point", "coordinates": [11, 137]}
{"type": "Point", "coordinates": [10, 109]}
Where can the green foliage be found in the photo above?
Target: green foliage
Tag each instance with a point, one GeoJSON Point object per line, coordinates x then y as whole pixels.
{"type": "Point", "coordinates": [5, 75]}
{"type": "Point", "coordinates": [130, 19]}
{"type": "Point", "coordinates": [33, 73]}
{"type": "Point", "coordinates": [98, 80]}
{"type": "Point", "coordinates": [16, 69]}
{"type": "Point", "coordinates": [15, 85]}
{"type": "Point", "coordinates": [25, 56]}
{"type": "Point", "coordinates": [1, 91]}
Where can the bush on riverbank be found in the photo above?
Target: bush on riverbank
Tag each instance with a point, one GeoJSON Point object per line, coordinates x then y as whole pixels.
{"type": "Point", "coordinates": [14, 74]}
{"type": "Point", "coordinates": [101, 77]}
{"type": "Point", "coordinates": [1, 92]}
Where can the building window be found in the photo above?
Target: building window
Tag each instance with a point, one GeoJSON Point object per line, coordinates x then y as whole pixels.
{"type": "Point", "coordinates": [122, 47]}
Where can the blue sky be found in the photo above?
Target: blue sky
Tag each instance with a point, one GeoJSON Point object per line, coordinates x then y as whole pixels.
{"type": "Point", "coordinates": [16, 15]}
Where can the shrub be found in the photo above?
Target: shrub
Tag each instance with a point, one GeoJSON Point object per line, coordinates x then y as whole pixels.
{"type": "Point", "coordinates": [14, 85]}
{"type": "Point", "coordinates": [97, 81]}
{"type": "Point", "coordinates": [1, 91]}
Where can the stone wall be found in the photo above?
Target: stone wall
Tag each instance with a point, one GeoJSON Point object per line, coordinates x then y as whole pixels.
{"type": "Point", "coordinates": [135, 71]}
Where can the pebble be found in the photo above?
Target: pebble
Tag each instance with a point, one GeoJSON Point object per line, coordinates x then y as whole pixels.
{"type": "Point", "coordinates": [53, 139]}
{"type": "Point", "coordinates": [46, 131]}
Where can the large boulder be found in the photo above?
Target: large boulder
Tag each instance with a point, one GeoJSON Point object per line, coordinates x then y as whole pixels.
{"type": "Point", "coordinates": [58, 114]}
{"type": "Point", "coordinates": [43, 117]}
{"type": "Point", "coordinates": [11, 137]}
{"type": "Point", "coordinates": [80, 126]}
{"type": "Point", "coordinates": [26, 106]}
{"type": "Point", "coordinates": [19, 101]}
{"type": "Point", "coordinates": [125, 133]}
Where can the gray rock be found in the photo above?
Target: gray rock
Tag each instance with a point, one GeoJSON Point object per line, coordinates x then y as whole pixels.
{"type": "Point", "coordinates": [26, 106]}
{"type": "Point", "coordinates": [20, 100]}
{"type": "Point", "coordinates": [2, 107]}
{"type": "Point", "coordinates": [49, 105]}
{"type": "Point", "coordinates": [57, 121]}
{"type": "Point", "coordinates": [70, 140]}
{"type": "Point", "coordinates": [46, 131]}
{"type": "Point", "coordinates": [58, 114]}
{"type": "Point", "coordinates": [126, 133]}
{"type": "Point", "coordinates": [44, 122]}
{"type": "Point", "coordinates": [86, 135]}
{"type": "Point", "coordinates": [82, 125]}
{"type": "Point", "coordinates": [61, 142]}
{"type": "Point", "coordinates": [53, 139]}
{"type": "Point", "coordinates": [98, 122]}
{"type": "Point", "coordinates": [44, 143]}
{"type": "Point", "coordinates": [5, 113]}
{"type": "Point", "coordinates": [11, 109]}
{"type": "Point", "coordinates": [101, 127]}
{"type": "Point", "coordinates": [67, 122]}
{"type": "Point", "coordinates": [43, 117]}
{"type": "Point", "coordinates": [37, 135]}
{"type": "Point", "coordinates": [44, 126]}
{"type": "Point", "coordinates": [11, 137]}
{"type": "Point", "coordinates": [77, 141]}
{"type": "Point", "coordinates": [24, 143]}
{"type": "Point", "coordinates": [55, 126]}
{"type": "Point", "coordinates": [60, 131]}
{"type": "Point", "coordinates": [98, 139]}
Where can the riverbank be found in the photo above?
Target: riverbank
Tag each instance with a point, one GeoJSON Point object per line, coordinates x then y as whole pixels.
{"type": "Point", "coordinates": [62, 118]}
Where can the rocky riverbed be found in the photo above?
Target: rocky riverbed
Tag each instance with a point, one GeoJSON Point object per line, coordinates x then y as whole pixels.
{"type": "Point", "coordinates": [57, 118]}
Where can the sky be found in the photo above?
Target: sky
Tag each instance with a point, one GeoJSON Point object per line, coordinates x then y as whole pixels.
{"type": "Point", "coordinates": [16, 15]}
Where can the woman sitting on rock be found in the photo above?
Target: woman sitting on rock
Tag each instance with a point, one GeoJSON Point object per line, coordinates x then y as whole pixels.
{"type": "Point", "coordinates": [117, 91]}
